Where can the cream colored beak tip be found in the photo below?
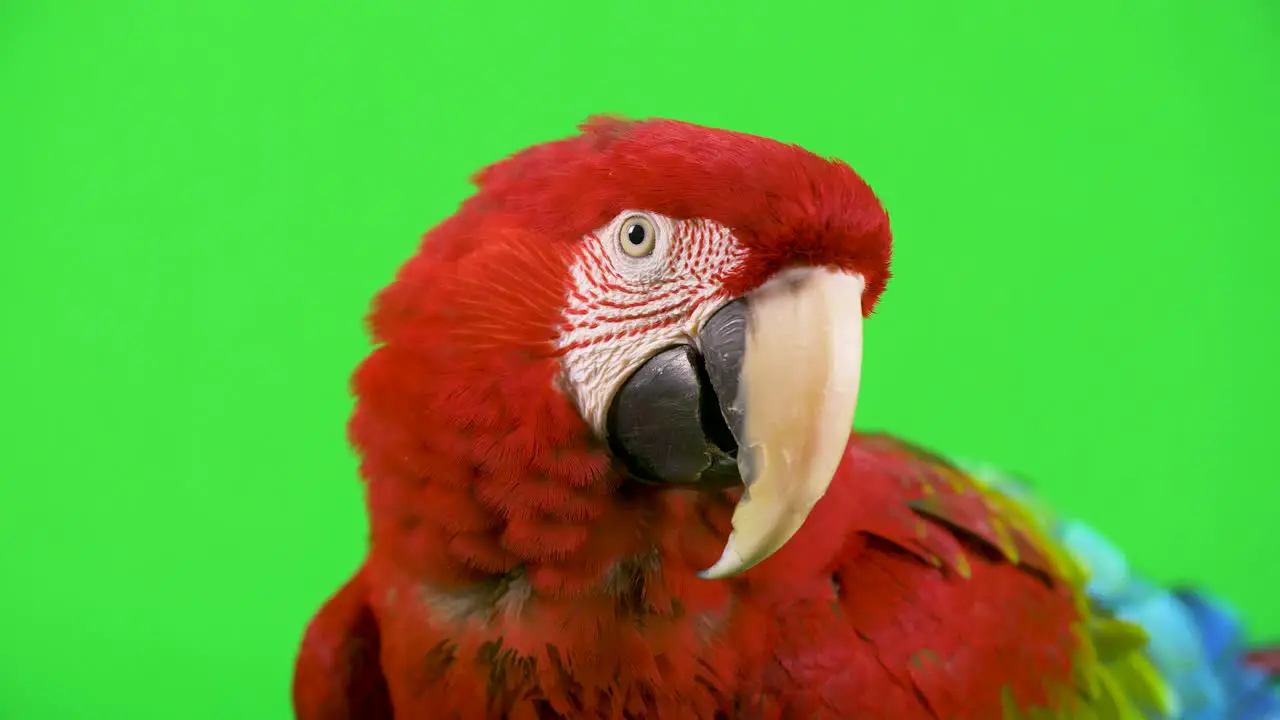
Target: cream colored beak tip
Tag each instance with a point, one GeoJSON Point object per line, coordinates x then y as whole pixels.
{"type": "Point", "coordinates": [729, 564]}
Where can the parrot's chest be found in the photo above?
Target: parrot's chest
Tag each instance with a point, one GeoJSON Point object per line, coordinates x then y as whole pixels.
{"type": "Point", "coordinates": [657, 654]}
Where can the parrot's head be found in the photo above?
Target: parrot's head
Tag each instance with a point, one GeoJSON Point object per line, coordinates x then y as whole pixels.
{"type": "Point", "coordinates": [646, 303]}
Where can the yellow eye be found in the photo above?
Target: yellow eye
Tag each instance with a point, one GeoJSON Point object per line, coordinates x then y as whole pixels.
{"type": "Point", "coordinates": [637, 237]}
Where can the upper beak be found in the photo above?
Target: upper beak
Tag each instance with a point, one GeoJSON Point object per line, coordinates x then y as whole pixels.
{"type": "Point", "coordinates": [783, 366]}
{"type": "Point", "coordinates": [798, 388]}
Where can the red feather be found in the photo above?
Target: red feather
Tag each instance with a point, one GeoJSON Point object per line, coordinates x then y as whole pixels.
{"type": "Point", "coordinates": [512, 574]}
{"type": "Point", "coordinates": [1267, 659]}
{"type": "Point", "coordinates": [338, 675]}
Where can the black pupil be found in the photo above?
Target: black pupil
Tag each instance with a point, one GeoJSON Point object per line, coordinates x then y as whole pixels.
{"type": "Point", "coordinates": [635, 234]}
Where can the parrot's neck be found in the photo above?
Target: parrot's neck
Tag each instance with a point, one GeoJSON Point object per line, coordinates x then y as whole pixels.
{"type": "Point", "coordinates": [632, 550]}
{"type": "Point", "coordinates": [607, 579]}
{"type": "Point", "coordinates": [493, 518]}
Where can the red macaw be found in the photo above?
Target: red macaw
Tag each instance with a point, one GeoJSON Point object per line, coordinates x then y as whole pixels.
{"type": "Point", "coordinates": [605, 439]}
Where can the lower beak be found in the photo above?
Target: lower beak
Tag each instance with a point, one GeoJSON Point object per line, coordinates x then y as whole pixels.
{"type": "Point", "coordinates": [793, 411]}
{"type": "Point", "coordinates": [767, 399]}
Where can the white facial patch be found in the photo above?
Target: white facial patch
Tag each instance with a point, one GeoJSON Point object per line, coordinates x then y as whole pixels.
{"type": "Point", "coordinates": [623, 308]}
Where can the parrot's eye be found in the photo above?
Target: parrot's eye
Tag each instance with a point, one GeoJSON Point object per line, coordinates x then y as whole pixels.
{"type": "Point", "coordinates": [636, 236]}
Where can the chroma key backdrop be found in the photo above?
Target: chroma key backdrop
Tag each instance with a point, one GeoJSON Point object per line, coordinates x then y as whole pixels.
{"type": "Point", "coordinates": [198, 199]}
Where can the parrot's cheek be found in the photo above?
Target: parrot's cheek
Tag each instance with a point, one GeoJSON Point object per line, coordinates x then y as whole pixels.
{"type": "Point", "coordinates": [765, 399]}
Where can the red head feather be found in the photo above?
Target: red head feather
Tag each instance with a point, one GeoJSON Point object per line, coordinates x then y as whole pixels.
{"type": "Point", "coordinates": [498, 517]}
{"type": "Point", "coordinates": [475, 463]}
{"type": "Point", "coordinates": [786, 204]}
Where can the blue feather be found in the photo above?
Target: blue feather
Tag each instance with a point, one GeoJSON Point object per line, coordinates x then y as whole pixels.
{"type": "Point", "coordinates": [1197, 643]}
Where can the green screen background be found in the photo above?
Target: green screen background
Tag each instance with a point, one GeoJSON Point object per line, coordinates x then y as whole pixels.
{"type": "Point", "coordinates": [198, 199]}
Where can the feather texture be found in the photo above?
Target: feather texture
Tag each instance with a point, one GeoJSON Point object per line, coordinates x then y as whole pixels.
{"type": "Point", "coordinates": [514, 571]}
{"type": "Point", "coordinates": [1196, 642]}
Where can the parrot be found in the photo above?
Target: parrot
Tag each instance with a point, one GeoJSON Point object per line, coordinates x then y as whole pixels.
{"type": "Point", "coordinates": [605, 437]}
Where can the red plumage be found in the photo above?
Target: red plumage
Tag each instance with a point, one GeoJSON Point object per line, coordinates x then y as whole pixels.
{"type": "Point", "coordinates": [512, 573]}
{"type": "Point", "coordinates": [1267, 659]}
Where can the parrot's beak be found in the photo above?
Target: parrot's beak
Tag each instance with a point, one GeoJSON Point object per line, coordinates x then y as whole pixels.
{"type": "Point", "coordinates": [796, 395]}
{"type": "Point", "coordinates": [765, 399]}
